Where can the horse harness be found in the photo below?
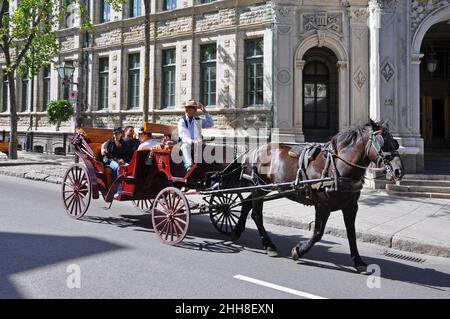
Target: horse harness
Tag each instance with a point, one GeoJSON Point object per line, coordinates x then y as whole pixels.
{"type": "Point", "coordinates": [339, 183]}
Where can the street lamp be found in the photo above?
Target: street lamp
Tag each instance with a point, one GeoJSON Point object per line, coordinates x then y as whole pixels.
{"type": "Point", "coordinates": [65, 72]}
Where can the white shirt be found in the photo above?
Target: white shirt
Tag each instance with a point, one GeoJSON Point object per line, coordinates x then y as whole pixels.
{"type": "Point", "coordinates": [189, 133]}
{"type": "Point", "coordinates": [148, 144]}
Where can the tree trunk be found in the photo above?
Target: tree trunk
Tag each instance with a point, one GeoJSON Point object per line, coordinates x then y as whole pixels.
{"type": "Point", "coordinates": [146, 60]}
{"type": "Point", "coordinates": [13, 117]}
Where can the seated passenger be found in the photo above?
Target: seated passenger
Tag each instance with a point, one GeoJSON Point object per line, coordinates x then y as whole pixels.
{"type": "Point", "coordinates": [147, 143]}
{"type": "Point", "coordinates": [114, 152]}
{"type": "Point", "coordinates": [131, 143]}
{"type": "Point", "coordinates": [189, 129]}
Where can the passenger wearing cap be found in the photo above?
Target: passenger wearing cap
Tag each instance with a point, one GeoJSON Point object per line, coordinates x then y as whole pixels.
{"type": "Point", "coordinates": [114, 152]}
{"type": "Point", "coordinates": [147, 143]}
{"type": "Point", "coordinates": [189, 129]}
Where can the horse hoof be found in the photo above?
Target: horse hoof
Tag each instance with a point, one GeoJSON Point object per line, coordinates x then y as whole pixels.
{"type": "Point", "coordinates": [362, 270]}
{"type": "Point", "coordinates": [295, 253]}
{"type": "Point", "coordinates": [271, 252]}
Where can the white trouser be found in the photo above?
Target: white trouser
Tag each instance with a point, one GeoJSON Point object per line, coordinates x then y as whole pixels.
{"type": "Point", "coordinates": [186, 150]}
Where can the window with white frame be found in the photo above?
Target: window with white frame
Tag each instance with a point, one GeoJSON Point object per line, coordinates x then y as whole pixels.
{"type": "Point", "coordinates": [133, 80]}
{"type": "Point", "coordinates": [46, 87]}
{"type": "Point", "coordinates": [254, 72]}
{"type": "Point", "coordinates": [103, 83]}
{"type": "Point", "coordinates": [5, 94]}
{"type": "Point", "coordinates": [208, 60]}
{"type": "Point", "coordinates": [168, 78]}
{"type": "Point", "coordinates": [135, 8]}
{"type": "Point", "coordinates": [25, 101]}
{"type": "Point", "coordinates": [169, 4]}
{"type": "Point", "coordinates": [105, 11]}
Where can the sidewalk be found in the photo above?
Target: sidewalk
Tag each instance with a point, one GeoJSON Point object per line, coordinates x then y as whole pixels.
{"type": "Point", "coordinates": [419, 225]}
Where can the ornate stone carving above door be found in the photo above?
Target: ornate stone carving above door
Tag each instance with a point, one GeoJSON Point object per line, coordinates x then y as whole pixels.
{"type": "Point", "coordinates": [322, 21]}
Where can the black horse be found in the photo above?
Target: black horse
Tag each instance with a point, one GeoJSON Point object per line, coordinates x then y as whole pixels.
{"type": "Point", "coordinates": [344, 159]}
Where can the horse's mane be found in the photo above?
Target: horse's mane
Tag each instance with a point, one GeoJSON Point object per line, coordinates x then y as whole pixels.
{"type": "Point", "coordinates": [349, 137]}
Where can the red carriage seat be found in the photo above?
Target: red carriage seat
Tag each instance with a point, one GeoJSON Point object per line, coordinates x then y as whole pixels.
{"type": "Point", "coordinates": [95, 137]}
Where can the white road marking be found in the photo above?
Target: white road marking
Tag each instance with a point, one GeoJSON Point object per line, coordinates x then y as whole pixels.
{"type": "Point", "coordinates": [278, 287]}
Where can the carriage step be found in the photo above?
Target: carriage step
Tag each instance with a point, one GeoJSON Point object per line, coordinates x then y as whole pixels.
{"type": "Point", "coordinates": [418, 189]}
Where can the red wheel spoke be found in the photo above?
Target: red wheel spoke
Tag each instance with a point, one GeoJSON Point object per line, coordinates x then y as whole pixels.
{"type": "Point", "coordinates": [164, 220]}
{"type": "Point", "coordinates": [180, 220]}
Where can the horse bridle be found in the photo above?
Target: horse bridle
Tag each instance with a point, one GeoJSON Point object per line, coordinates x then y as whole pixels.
{"type": "Point", "coordinates": [382, 157]}
{"type": "Point", "coordinates": [377, 143]}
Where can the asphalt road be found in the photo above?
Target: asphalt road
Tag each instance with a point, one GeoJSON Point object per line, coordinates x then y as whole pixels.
{"type": "Point", "coordinates": [115, 254]}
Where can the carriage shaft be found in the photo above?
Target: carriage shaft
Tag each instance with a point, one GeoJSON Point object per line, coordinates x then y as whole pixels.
{"type": "Point", "coordinates": [272, 187]}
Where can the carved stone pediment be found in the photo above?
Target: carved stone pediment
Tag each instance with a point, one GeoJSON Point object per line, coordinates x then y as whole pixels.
{"type": "Point", "coordinates": [322, 21]}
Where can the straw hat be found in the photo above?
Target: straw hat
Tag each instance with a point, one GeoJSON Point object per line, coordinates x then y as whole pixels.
{"type": "Point", "coordinates": [191, 103]}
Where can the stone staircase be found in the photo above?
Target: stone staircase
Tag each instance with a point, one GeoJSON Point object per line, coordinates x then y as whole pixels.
{"type": "Point", "coordinates": [435, 183]}
{"type": "Point", "coordinates": [431, 186]}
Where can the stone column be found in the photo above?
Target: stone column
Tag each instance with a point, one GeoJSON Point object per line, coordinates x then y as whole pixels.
{"type": "Point", "coordinates": [298, 98]}
{"type": "Point", "coordinates": [383, 60]}
{"type": "Point", "coordinates": [282, 72]}
{"type": "Point", "coordinates": [342, 68]}
{"type": "Point", "coordinates": [359, 65]}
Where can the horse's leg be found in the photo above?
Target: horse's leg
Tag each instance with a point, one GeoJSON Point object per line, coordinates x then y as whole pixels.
{"type": "Point", "coordinates": [319, 228]}
{"type": "Point", "coordinates": [257, 216]}
{"type": "Point", "coordinates": [240, 226]}
{"type": "Point", "coordinates": [349, 220]}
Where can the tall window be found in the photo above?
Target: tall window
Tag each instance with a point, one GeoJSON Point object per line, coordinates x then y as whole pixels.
{"type": "Point", "coordinates": [46, 88]}
{"type": "Point", "coordinates": [208, 55]}
{"type": "Point", "coordinates": [254, 72]}
{"type": "Point", "coordinates": [5, 101]}
{"type": "Point", "coordinates": [25, 100]}
{"type": "Point", "coordinates": [133, 80]}
{"type": "Point", "coordinates": [105, 11]}
{"type": "Point", "coordinates": [170, 4]}
{"type": "Point", "coordinates": [135, 8]}
{"type": "Point", "coordinates": [168, 78]}
{"type": "Point", "coordinates": [315, 95]}
{"type": "Point", "coordinates": [103, 83]}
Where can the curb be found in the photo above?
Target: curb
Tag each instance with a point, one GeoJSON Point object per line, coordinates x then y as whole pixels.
{"type": "Point", "coordinates": [21, 163]}
{"type": "Point", "coordinates": [34, 176]}
{"type": "Point", "coordinates": [386, 240]}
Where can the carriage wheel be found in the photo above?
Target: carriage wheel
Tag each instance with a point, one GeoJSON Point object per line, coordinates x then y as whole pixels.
{"type": "Point", "coordinates": [225, 211]}
{"type": "Point", "coordinates": [170, 215]}
{"type": "Point", "coordinates": [76, 191]}
{"type": "Point", "coordinates": [143, 205]}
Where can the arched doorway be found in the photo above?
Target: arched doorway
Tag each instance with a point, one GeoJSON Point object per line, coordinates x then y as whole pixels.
{"type": "Point", "coordinates": [435, 86]}
{"type": "Point", "coordinates": [435, 97]}
{"type": "Point", "coordinates": [320, 95]}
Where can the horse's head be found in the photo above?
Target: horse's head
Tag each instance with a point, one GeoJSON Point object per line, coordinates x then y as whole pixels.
{"type": "Point", "coordinates": [382, 149]}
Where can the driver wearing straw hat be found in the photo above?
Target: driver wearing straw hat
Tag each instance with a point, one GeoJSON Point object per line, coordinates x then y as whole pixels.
{"type": "Point", "coordinates": [189, 129]}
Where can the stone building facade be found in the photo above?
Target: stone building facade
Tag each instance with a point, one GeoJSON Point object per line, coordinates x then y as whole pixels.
{"type": "Point", "coordinates": [305, 69]}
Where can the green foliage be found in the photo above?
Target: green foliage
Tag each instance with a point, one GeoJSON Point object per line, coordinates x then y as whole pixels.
{"type": "Point", "coordinates": [59, 111]}
{"type": "Point", "coordinates": [31, 30]}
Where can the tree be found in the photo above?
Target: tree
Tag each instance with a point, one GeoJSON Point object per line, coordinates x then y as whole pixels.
{"type": "Point", "coordinates": [28, 41]}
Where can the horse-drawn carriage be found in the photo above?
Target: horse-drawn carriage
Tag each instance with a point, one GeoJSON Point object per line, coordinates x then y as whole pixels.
{"type": "Point", "coordinates": [328, 176]}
